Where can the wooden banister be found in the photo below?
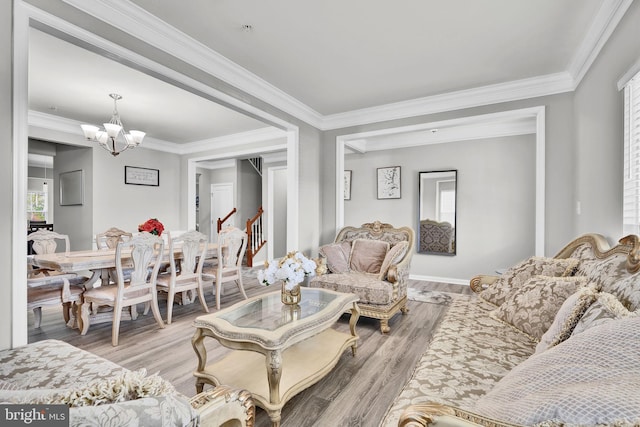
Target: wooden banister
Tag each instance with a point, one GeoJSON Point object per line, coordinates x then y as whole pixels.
{"type": "Point", "coordinates": [221, 221]}
{"type": "Point", "coordinates": [255, 237]}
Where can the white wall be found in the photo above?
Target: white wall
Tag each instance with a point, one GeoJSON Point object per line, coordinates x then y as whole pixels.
{"type": "Point", "coordinates": [7, 175]}
{"type": "Point", "coordinates": [495, 209]}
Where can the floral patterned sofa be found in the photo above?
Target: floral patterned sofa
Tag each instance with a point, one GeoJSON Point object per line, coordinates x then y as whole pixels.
{"type": "Point", "coordinates": [101, 393]}
{"type": "Point", "coordinates": [371, 261]}
{"type": "Point", "coordinates": [552, 341]}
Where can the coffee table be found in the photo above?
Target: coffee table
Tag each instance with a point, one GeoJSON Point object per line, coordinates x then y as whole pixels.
{"type": "Point", "coordinates": [279, 350]}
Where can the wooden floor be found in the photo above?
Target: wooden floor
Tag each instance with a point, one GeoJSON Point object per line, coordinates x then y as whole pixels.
{"type": "Point", "coordinates": [356, 393]}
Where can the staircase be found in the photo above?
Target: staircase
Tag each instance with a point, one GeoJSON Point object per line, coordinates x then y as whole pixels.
{"type": "Point", "coordinates": [255, 236]}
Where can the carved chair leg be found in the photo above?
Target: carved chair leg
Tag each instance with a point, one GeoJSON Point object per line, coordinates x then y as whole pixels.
{"type": "Point", "coordinates": [384, 326]}
{"type": "Point", "coordinates": [404, 309]}
{"type": "Point", "coordinates": [37, 313]}
{"type": "Point", "coordinates": [66, 308]}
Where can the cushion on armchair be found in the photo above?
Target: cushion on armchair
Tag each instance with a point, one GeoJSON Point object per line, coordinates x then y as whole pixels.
{"type": "Point", "coordinates": [367, 255]}
{"type": "Point", "coordinates": [394, 256]}
{"type": "Point", "coordinates": [337, 256]}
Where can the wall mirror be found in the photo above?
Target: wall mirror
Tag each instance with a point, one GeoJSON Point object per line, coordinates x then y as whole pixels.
{"type": "Point", "coordinates": [437, 216]}
{"type": "Point", "coordinates": [72, 188]}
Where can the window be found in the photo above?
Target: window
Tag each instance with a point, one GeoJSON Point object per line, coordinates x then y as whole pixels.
{"type": "Point", "coordinates": [446, 209]}
{"type": "Point", "coordinates": [631, 195]}
{"type": "Point", "coordinates": [37, 203]}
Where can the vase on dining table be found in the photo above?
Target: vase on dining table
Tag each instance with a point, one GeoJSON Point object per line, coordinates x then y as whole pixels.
{"type": "Point", "coordinates": [290, 295]}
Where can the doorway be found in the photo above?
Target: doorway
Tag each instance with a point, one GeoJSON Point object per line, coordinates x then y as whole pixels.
{"type": "Point", "coordinates": [221, 205]}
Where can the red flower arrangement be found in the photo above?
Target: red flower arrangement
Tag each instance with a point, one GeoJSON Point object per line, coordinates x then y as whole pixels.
{"type": "Point", "coordinates": [152, 226]}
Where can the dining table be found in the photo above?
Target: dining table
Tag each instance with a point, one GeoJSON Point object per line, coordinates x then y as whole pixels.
{"type": "Point", "coordinates": [96, 261]}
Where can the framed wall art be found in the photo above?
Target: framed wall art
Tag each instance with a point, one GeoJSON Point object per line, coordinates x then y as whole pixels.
{"type": "Point", "coordinates": [72, 188]}
{"type": "Point", "coordinates": [347, 185]}
{"type": "Point", "coordinates": [389, 182]}
{"type": "Point", "coordinates": [141, 176]}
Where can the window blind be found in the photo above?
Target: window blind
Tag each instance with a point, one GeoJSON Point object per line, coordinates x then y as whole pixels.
{"type": "Point", "coordinates": [631, 195]}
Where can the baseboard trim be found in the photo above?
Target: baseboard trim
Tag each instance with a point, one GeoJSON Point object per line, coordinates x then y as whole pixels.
{"type": "Point", "coordinates": [462, 282]}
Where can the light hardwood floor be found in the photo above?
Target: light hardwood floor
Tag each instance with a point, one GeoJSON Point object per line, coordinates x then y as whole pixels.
{"type": "Point", "coordinates": [356, 393]}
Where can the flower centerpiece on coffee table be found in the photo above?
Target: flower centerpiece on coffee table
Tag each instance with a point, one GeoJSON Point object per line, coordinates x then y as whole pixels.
{"type": "Point", "coordinates": [291, 270]}
{"type": "Point", "coordinates": [152, 226]}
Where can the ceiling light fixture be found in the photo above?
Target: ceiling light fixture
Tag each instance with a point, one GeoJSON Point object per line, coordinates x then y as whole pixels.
{"type": "Point", "coordinates": [114, 138]}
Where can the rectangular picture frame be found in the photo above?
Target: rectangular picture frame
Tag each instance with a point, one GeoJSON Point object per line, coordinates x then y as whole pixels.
{"type": "Point", "coordinates": [389, 184]}
{"type": "Point", "coordinates": [134, 175]}
{"type": "Point", "coordinates": [347, 184]}
{"type": "Point", "coordinates": [72, 188]}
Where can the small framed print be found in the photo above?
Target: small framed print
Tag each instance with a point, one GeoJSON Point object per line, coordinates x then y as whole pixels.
{"type": "Point", "coordinates": [389, 182]}
{"type": "Point", "coordinates": [141, 176]}
{"type": "Point", "coordinates": [347, 185]}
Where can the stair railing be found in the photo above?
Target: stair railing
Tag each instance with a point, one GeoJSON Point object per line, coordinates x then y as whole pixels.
{"type": "Point", "coordinates": [255, 236]}
{"type": "Point", "coordinates": [222, 221]}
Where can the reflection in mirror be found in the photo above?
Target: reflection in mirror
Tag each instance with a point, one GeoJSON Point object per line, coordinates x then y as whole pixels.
{"type": "Point", "coordinates": [437, 212]}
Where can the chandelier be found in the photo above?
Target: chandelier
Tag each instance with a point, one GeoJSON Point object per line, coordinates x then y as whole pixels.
{"type": "Point", "coordinates": [113, 138]}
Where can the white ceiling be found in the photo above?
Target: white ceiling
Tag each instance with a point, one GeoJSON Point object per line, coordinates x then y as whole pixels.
{"type": "Point", "coordinates": [331, 57]}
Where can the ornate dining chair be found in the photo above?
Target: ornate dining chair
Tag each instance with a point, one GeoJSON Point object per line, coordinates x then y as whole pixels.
{"type": "Point", "coordinates": [109, 239]}
{"type": "Point", "coordinates": [49, 287]}
{"type": "Point", "coordinates": [186, 275]}
{"type": "Point", "coordinates": [145, 252]}
{"type": "Point", "coordinates": [232, 244]}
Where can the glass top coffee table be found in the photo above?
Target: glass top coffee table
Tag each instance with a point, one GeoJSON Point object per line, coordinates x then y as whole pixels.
{"type": "Point", "coordinates": [279, 350]}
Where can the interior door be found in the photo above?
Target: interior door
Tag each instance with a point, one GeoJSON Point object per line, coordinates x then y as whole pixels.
{"type": "Point", "coordinates": [221, 205]}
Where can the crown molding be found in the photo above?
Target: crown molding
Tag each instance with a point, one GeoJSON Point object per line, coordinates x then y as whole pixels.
{"type": "Point", "coordinates": [132, 19]}
{"type": "Point", "coordinates": [217, 164]}
{"type": "Point", "coordinates": [454, 134]}
{"type": "Point", "coordinates": [511, 91]}
{"type": "Point", "coordinates": [603, 25]}
{"type": "Point", "coordinates": [257, 135]}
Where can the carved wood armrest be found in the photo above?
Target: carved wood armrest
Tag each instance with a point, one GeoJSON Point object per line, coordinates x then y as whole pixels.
{"type": "Point", "coordinates": [437, 415]}
{"type": "Point", "coordinates": [480, 282]}
{"type": "Point", "coordinates": [222, 404]}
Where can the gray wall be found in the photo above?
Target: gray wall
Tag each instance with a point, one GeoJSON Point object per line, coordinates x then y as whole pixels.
{"type": "Point", "coordinates": [249, 192]}
{"type": "Point", "coordinates": [598, 119]}
{"type": "Point", "coordinates": [496, 201]}
{"type": "Point", "coordinates": [76, 221]}
{"type": "Point", "coordinates": [559, 170]}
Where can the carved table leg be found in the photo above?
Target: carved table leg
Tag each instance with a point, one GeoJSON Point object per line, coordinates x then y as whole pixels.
{"type": "Point", "coordinates": [273, 362]}
{"type": "Point", "coordinates": [355, 315]}
{"type": "Point", "coordinates": [197, 341]}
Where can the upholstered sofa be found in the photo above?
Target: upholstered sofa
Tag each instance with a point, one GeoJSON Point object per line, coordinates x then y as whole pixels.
{"type": "Point", "coordinates": [101, 393]}
{"type": "Point", "coordinates": [371, 261]}
{"type": "Point", "coordinates": [552, 341]}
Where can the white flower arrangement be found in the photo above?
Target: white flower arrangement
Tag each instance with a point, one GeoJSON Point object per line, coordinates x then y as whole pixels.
{"type": "Point", "coordinates": [292, 269]}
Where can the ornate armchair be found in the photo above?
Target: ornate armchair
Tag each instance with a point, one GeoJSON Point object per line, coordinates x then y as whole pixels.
{"type": "Point", "coordinates": [371, 261]}
{"type": "Point", "coordinates": [436, 236]}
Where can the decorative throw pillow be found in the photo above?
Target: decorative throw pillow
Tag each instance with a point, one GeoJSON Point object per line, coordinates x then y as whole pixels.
{"type": "Point", "coordinates": [517, 275]}
{"type": "Point", "coordinates": [367, 255]}
{"type": "Point", "coordinates": [128, 385]}
{"type": "Point", "coordinates": [627, 290]}
{"type": "Point", "coordinates": [589, 379]}
{"type": "Point", "coordinates": [337, 255]}
{"type": "Point", "coordinates": [570, 312]}
{"type": "Point", "coordinates": [532, 307]}
{"type": "Point", "coordinates": [604, 309]}
{"type": "Point", "coordinates": [394, 255]}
